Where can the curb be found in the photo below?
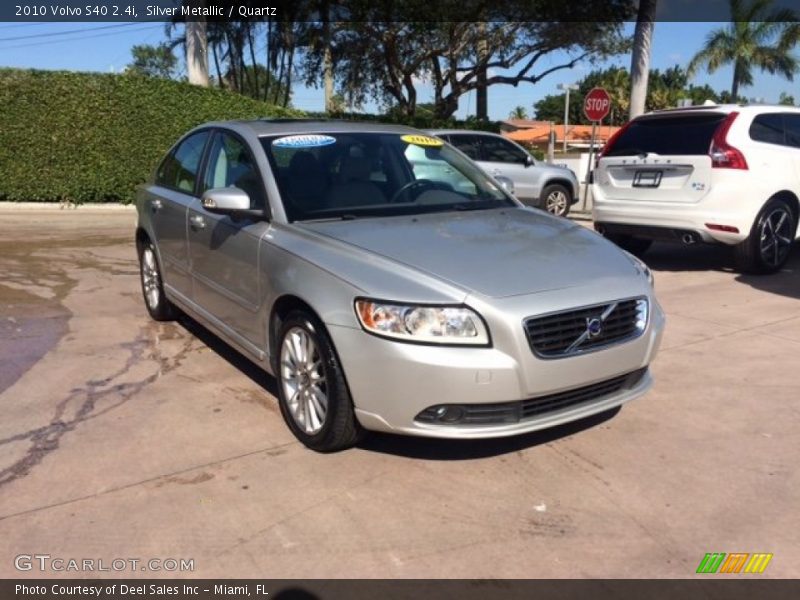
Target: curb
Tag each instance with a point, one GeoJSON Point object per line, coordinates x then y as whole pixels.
{"type": "Point", "coordinates": [92, 207]}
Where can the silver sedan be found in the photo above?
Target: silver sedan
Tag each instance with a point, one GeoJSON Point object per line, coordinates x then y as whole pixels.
{"type": "Point", "coordinates": [387, 297]}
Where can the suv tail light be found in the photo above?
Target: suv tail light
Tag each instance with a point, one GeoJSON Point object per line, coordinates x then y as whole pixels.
{"type": "Point", "coordinates": [610, 143]}
{"type": "Point", "coordinates": [723, 155]}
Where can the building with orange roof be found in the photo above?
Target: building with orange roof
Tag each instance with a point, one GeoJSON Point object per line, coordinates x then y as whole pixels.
{"type": "Point", "coordinates": [578, 136]}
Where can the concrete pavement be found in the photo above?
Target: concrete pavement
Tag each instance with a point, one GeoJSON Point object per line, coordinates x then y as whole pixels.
{"type": "Point", "coordinates": [122, 438]}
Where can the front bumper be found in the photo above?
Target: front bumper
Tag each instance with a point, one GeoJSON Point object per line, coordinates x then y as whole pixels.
{"type": "Point", "coordinates": [392, 383]}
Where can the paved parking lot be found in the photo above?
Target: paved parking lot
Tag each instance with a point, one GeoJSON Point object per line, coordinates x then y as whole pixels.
{"type": "Point", "coordinates": [123, 438]}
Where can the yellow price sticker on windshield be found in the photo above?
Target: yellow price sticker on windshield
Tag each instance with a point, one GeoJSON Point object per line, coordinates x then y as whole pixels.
{"type": "Point", "coordinates": [422, 140]}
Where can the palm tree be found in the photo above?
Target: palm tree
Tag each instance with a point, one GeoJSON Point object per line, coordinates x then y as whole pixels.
{"type": "Point", "coordinates": [196, 48]}
{"type": "Point", "coordinates": [640, 58]}
{"type": "Point", "coordinates": [518, 112]}
{"type": "Point", "coordinates": [757, 37]}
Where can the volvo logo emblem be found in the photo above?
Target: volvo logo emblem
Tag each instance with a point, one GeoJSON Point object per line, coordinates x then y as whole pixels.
{"type": "Point", "coordinates": [594, 327]}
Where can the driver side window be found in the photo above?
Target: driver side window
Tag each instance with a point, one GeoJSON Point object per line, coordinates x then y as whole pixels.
{"type": "Point", "coordinates": [231, 165]}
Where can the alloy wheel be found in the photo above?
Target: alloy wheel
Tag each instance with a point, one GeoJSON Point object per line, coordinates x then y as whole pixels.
{"type": "Point", "coordinates": [303, 380]}
{"type": "Point", "coordinates": [775, 236]}
{"type": "Point", "coordinates": [150, 278]}
{"type": "Point", "coordinates": [556, 202]}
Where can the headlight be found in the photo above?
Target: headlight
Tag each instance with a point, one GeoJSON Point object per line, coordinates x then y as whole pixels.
{"type": "Point", "coordinates": [423, 324]}
{"type": "Point", "coordinates": [641, 267]}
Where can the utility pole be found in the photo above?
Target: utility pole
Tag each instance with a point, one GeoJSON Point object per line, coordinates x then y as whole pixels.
{"type": "Point", "coordinates": [567, 87]}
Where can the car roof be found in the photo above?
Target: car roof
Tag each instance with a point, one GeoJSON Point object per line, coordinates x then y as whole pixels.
{"type": "Point", "coordinates": [263, 127]}
{"type": "Point", "coordinates": [722, 108]}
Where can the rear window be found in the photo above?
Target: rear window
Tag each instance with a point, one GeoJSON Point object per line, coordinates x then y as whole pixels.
{"type": "Point", "coordinates": [678, 135]}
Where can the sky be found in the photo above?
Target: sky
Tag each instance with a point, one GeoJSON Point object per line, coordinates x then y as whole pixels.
{"type": "Point", "coordinates": [105, 47]}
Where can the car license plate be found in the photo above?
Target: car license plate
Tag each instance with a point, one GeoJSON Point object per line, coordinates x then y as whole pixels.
{"type": "Point", "coordinates": [650, 179]}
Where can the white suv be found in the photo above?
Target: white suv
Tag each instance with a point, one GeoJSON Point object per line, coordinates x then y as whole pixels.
{"type": "Point", "coordinates": [720, 174]}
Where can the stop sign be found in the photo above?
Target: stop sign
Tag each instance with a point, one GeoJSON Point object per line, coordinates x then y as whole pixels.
{"type": "Point", "coordinates": [597, 104]}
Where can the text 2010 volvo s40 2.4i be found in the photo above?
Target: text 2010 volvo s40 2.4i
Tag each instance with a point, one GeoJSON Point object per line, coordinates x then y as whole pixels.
{"type": "Point", "coordinates": [381, 300]}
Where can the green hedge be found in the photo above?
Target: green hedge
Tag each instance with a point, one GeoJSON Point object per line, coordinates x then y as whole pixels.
{"type": "Point", "coordinates": [90, 137]}
{"type": "Point", "coordinates": [420, 121]}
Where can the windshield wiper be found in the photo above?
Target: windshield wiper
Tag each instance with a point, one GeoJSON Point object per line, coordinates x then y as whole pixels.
{"type": "Point", "coordinates": [344, 217]}
{"type": "Point", "coordinates": [479, 205]}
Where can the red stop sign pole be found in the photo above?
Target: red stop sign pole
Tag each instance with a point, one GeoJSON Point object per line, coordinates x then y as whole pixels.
{"type": "Point", "coordinates": [596, 106]}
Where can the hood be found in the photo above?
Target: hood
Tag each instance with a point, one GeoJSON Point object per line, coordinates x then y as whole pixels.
{"type": "Point", "coordinates": [496, 253]}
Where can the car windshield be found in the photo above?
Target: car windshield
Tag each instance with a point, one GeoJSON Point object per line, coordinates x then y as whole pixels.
{"type": "Point", "coordinates": [351, 175]}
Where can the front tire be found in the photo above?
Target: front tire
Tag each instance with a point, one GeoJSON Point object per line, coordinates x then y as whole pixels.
{"type": "Point", "coordinates": [314, 399]}
{"type": "Point", "coordinates": [556, 199]}
{"type": "Point", "coordinates": [156, 302]}
{"type": "Point", "coordinates": [767, 247]}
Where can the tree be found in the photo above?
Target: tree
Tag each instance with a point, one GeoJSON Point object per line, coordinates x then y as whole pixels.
{"type": "Point", "coordinates": [640, 57]}
{"type": "Point", "coordinates": [518, 112]}
{"type": "Point", "coordinates": [699, 94]}
{"type": "Point", "coordinates": [786, 99]}
{"type": "Point", "coordinates": [152, 61]}
{"type": "Point", "coordinates": [378, 55]}
{"type": "Point", "coordinates": [196, 48]}
{"type": "Point", "coordinates": [615, 80]}
{"type": "Point", "coordinates": [666, 89]}
{"type": "Point", "coordinates": [267, 84]}
{"type": "Point", "coordinates": [232, 46]}
{"type": "Point", "coordinates": [757, 37]}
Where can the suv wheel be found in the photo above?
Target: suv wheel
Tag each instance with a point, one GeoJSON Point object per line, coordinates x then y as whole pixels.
{"type": "Point", "coordinates": [556, 200]}
{"type": "Point", "coordinates": [767, 247]}
{"type": "Point", "coordinates": [158, 306]}
{"type": "Point", "coordinates": [313, 394]}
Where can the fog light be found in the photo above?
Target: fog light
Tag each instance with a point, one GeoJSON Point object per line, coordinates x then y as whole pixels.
{"type": "Point", "coordinates": [451, 414]}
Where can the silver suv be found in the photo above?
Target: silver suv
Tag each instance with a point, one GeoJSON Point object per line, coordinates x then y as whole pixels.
{"type": "Point", "coordinates": [382, 300]}
{"type": "Point", "coordinates": [549, 187]}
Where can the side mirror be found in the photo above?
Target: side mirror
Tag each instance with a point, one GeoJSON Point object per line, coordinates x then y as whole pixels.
{"type": "Point", "coordinates": [529, 162]}
{"type": "Point", "coordinates": [505, 183]}
{"type": "Point", "coordinates": [226, 200]}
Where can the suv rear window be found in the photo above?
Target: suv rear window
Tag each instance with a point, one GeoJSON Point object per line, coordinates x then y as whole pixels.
{"type": "Point", "coordinates": [678, 135]}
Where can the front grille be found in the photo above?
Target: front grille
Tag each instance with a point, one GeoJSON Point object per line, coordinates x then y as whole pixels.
{"type": "Point", "coordinates": [513, 412]}
{"type": "Point", "coordinates": [586, 329]}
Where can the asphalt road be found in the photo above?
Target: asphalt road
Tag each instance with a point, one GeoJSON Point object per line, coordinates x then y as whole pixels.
{"type": "Point", "coordinates": [122, 438]}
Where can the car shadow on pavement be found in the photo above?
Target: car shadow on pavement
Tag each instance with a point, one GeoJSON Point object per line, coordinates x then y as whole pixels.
{"type": "Point", "coordinates": [784, 283]}
{"type": "Point", "coordinates": [665, 256]}
{"type": "Point", "coordinates": [232, 356]}
{"type": "Point", "coordinates": [408, 446]}
{"type": "Point", "coordinates": [450, 449]}
{"type": "Point", "coordinates": [708, 257]}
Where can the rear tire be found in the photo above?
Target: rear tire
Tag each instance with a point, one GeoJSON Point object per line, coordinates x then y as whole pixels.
{"type": "Point", "coordinates": [556, 199]}
{"type": "Point", "coordinates": [769, 244]}
{"type": "Point", "coordinates": [314, 399]}
{"type": "Point", "coordinates": [156, 302]}
{"type": "Point", "coordinates": [636, 246]}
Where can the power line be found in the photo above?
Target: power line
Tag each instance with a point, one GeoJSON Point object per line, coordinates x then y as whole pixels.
{"type": "Point", "coordinates": [85, 37]}
{"type": "Point", "coordinates": [23, 25]}
{"type": "Point", "coordinates": [71, 31]}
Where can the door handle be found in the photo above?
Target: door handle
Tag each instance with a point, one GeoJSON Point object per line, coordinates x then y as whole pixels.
{"type": "Point", "coordinates": [197, 222]}
{"type": "Point", "coordinates": [157, 204]}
